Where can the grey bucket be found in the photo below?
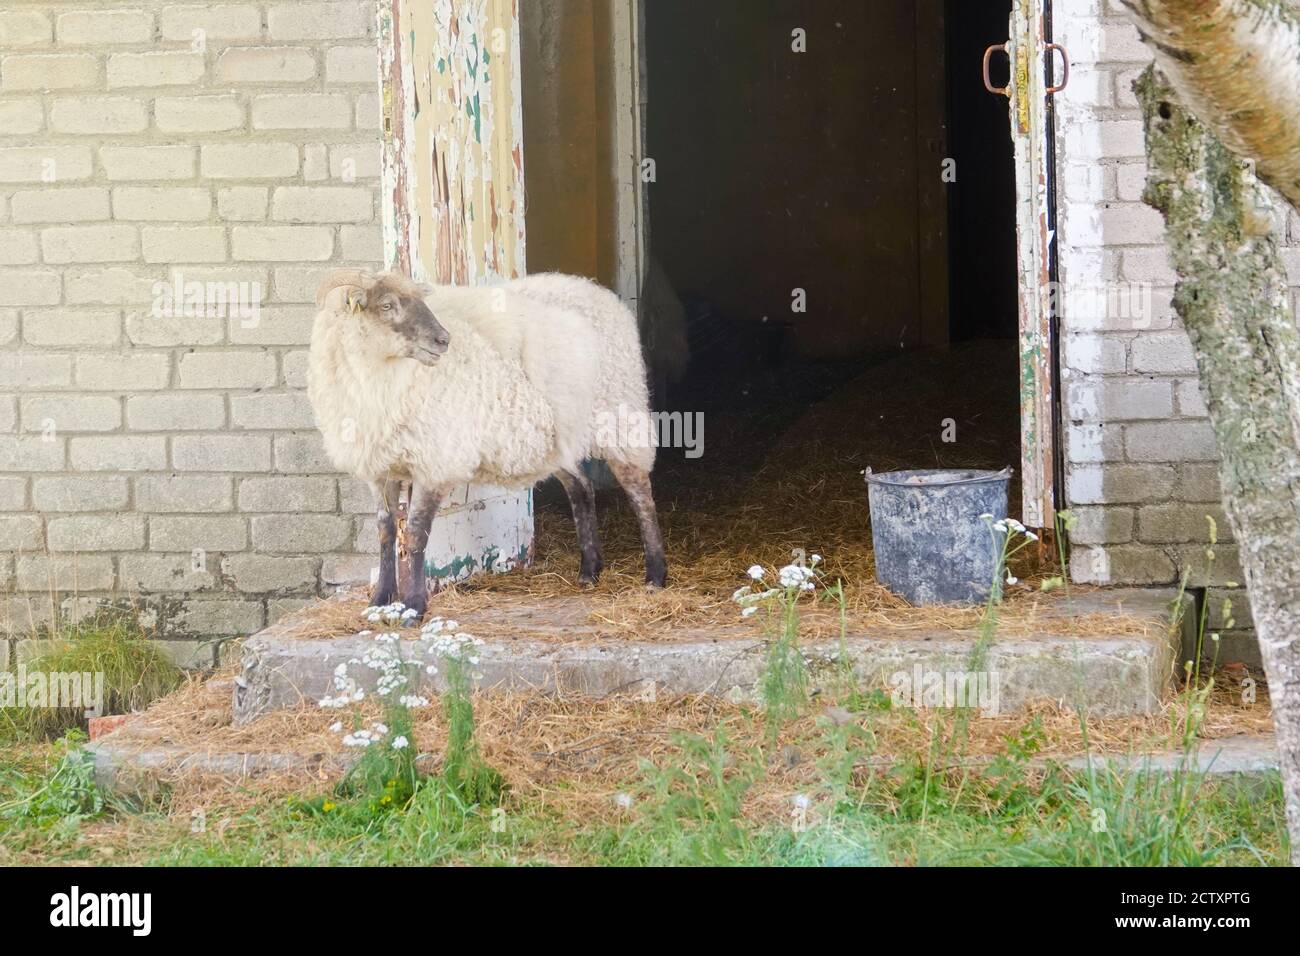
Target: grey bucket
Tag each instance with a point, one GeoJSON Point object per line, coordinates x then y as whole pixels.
{"type": "Point", "coordinates": [932, 546]}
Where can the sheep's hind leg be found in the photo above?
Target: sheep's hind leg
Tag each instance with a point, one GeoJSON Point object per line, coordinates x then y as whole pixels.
{"type": "Point", "coordinates": [582, 499]}
{"type": "Point", "coordinates": [636, 482]}
{"type": "Point", "coordinates": [387, 495]}
{"type": "Point", "coordinates": [419, 518]}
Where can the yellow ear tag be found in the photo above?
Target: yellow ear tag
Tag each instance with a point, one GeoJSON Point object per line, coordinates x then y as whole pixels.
{"type": "Point", "coordinates": [354, 303]}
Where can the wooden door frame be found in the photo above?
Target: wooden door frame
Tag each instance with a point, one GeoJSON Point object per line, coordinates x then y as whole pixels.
{"type": "Point", "coordinates": [1031, 133]}
{"type": "Point", "coordinates": [623, 146]}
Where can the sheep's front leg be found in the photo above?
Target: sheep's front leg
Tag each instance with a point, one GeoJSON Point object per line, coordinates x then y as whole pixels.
{"type": "Point", "coordinates": [387, 495]}
{"type": "Point", "coordinates": [419, 518]}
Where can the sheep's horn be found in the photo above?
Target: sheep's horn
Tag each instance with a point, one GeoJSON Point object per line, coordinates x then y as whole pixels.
{"type": "Point", "coordinates": [341, 279]}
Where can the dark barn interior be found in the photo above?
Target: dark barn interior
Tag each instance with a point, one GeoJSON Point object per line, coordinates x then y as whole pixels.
{"type": "Point", "coordinates": [843, 303]}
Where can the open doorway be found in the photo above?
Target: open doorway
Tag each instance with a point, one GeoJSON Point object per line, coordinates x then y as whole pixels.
{"type": "Point", "coordinates": [828, 266]}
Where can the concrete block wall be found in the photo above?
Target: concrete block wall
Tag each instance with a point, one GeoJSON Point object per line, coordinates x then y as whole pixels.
{"type": "Point", "coordinates": [1140, 454]}
{"type": "Point", "coordinates": [146, 454]}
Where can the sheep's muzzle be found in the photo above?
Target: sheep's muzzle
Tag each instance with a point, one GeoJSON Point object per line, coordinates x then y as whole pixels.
{"type": "Point", "coordinates": [426, 338]}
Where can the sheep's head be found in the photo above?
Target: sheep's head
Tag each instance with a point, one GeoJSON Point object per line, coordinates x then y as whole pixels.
{"type": "Point", "coordinates": [392, 311]}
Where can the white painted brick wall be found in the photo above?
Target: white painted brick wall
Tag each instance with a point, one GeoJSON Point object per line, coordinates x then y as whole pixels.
{"type": "Point", "coordinates": [161, 457]}
{"type": "Point", "coordinates": [1139, 450]}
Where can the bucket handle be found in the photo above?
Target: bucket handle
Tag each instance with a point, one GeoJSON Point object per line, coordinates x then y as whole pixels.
{"type": "Point", "coordinates": [1004, 473]}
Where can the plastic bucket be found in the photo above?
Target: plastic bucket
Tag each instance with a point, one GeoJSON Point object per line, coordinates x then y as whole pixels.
{"type": "Point", "coordinates": [932, 546]}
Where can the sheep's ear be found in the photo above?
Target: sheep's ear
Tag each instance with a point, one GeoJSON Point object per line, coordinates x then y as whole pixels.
{"type": "Point", "coordinates": [356, 300]}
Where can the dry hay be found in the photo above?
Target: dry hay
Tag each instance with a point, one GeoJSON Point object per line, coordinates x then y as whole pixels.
{"type": "Point", "coordinates": [511, 606]}
{"type": "Point", "coordinates": [574, 755]}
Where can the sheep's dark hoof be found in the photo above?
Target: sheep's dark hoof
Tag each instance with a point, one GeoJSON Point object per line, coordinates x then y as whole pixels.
{"type": "Point", "coordinates": [419, 603]}
{"type": "Point", "coordinates": [382, 596]}
{"type": "Point", "coordinates": [656, 576]}
{"type": "Point", "coordinates": [589, 573]}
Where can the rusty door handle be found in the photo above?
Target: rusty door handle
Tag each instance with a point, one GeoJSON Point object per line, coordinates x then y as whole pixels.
{"type": "Point", "coordinates": [988, 55]}
{"type": "Point", "coordinates": [1065, 62]}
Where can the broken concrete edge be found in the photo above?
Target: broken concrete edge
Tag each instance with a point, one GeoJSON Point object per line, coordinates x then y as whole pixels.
{"type": "Point", "coordinates": [1240, 754]}
{"type": "Point", "coordinates": [124, 768]}
{"type": "Point", "coordinates": [1103, 676]}
{"type": "Point", "coordinates": [97, 727]}
{"type": "Point", "coordinates": [137, 770]}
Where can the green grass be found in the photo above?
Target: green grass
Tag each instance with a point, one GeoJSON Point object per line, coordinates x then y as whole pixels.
{"type": "Point", "coordinates": [111, 643]}
{"type": "Point", "coordinates": [690, 809]}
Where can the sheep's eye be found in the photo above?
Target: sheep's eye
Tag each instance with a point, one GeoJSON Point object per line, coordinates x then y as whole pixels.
{"type": "Point", "coordinates": [386, 306]}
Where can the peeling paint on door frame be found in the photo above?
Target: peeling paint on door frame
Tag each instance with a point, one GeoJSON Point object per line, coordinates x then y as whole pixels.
{"type": "Point", "coordinates": [1034, 238]}
{"type": "Point", "coordinates": [453, 188]}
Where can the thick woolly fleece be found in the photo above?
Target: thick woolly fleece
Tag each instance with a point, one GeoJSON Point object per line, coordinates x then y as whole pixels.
{"type": "Point", "coordinates": [538, 373]}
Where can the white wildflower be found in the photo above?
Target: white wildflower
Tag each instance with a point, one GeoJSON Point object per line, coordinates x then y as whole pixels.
{"type": "Point", "coordinates": [796, 576]}
{"type": "Point", "coordinates": [756, 572]}
{"type": "Point", "coordinates": [400, 743]}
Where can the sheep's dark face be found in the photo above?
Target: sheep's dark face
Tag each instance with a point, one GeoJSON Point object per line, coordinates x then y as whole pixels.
{"type": "Point", "coordinates": [425, 338]}
{"type": "Point", "coordinates": [408, 323]}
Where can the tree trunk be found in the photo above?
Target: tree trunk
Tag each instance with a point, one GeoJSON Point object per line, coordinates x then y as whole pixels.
{"type": "Point", "coordinates": [1236, 65]}
{"type": "Point", "coordinates": [1234, 299]}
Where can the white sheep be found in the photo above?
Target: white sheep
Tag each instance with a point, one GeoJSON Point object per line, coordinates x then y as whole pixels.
{"type": "Point", "coordinates": [503, 385]}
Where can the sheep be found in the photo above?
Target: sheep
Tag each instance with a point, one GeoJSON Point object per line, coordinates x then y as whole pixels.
{"type": "Point", "coordinates": [503, 385]}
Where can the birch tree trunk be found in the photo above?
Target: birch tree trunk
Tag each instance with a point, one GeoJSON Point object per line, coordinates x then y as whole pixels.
{"type": "Point", "coordinates": [1236, 65]}
{"type": "Point", "coordinates": [1233, 297]}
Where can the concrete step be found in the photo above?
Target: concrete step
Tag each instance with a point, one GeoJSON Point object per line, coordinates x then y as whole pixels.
{"type": "Point", "coordinates": [1109, 675]}
{"type": "Point", "coordinates": [135, 767]}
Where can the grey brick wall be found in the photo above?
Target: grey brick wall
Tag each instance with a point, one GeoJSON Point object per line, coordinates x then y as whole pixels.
{"type": "Point", "coordinates": [1141, 471]}
{"type": "Point", "coordinates": [169, 459]}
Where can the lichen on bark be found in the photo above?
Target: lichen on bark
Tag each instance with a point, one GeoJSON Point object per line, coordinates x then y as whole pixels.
{"type": "Point", "coordinates": [1234, 300]}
